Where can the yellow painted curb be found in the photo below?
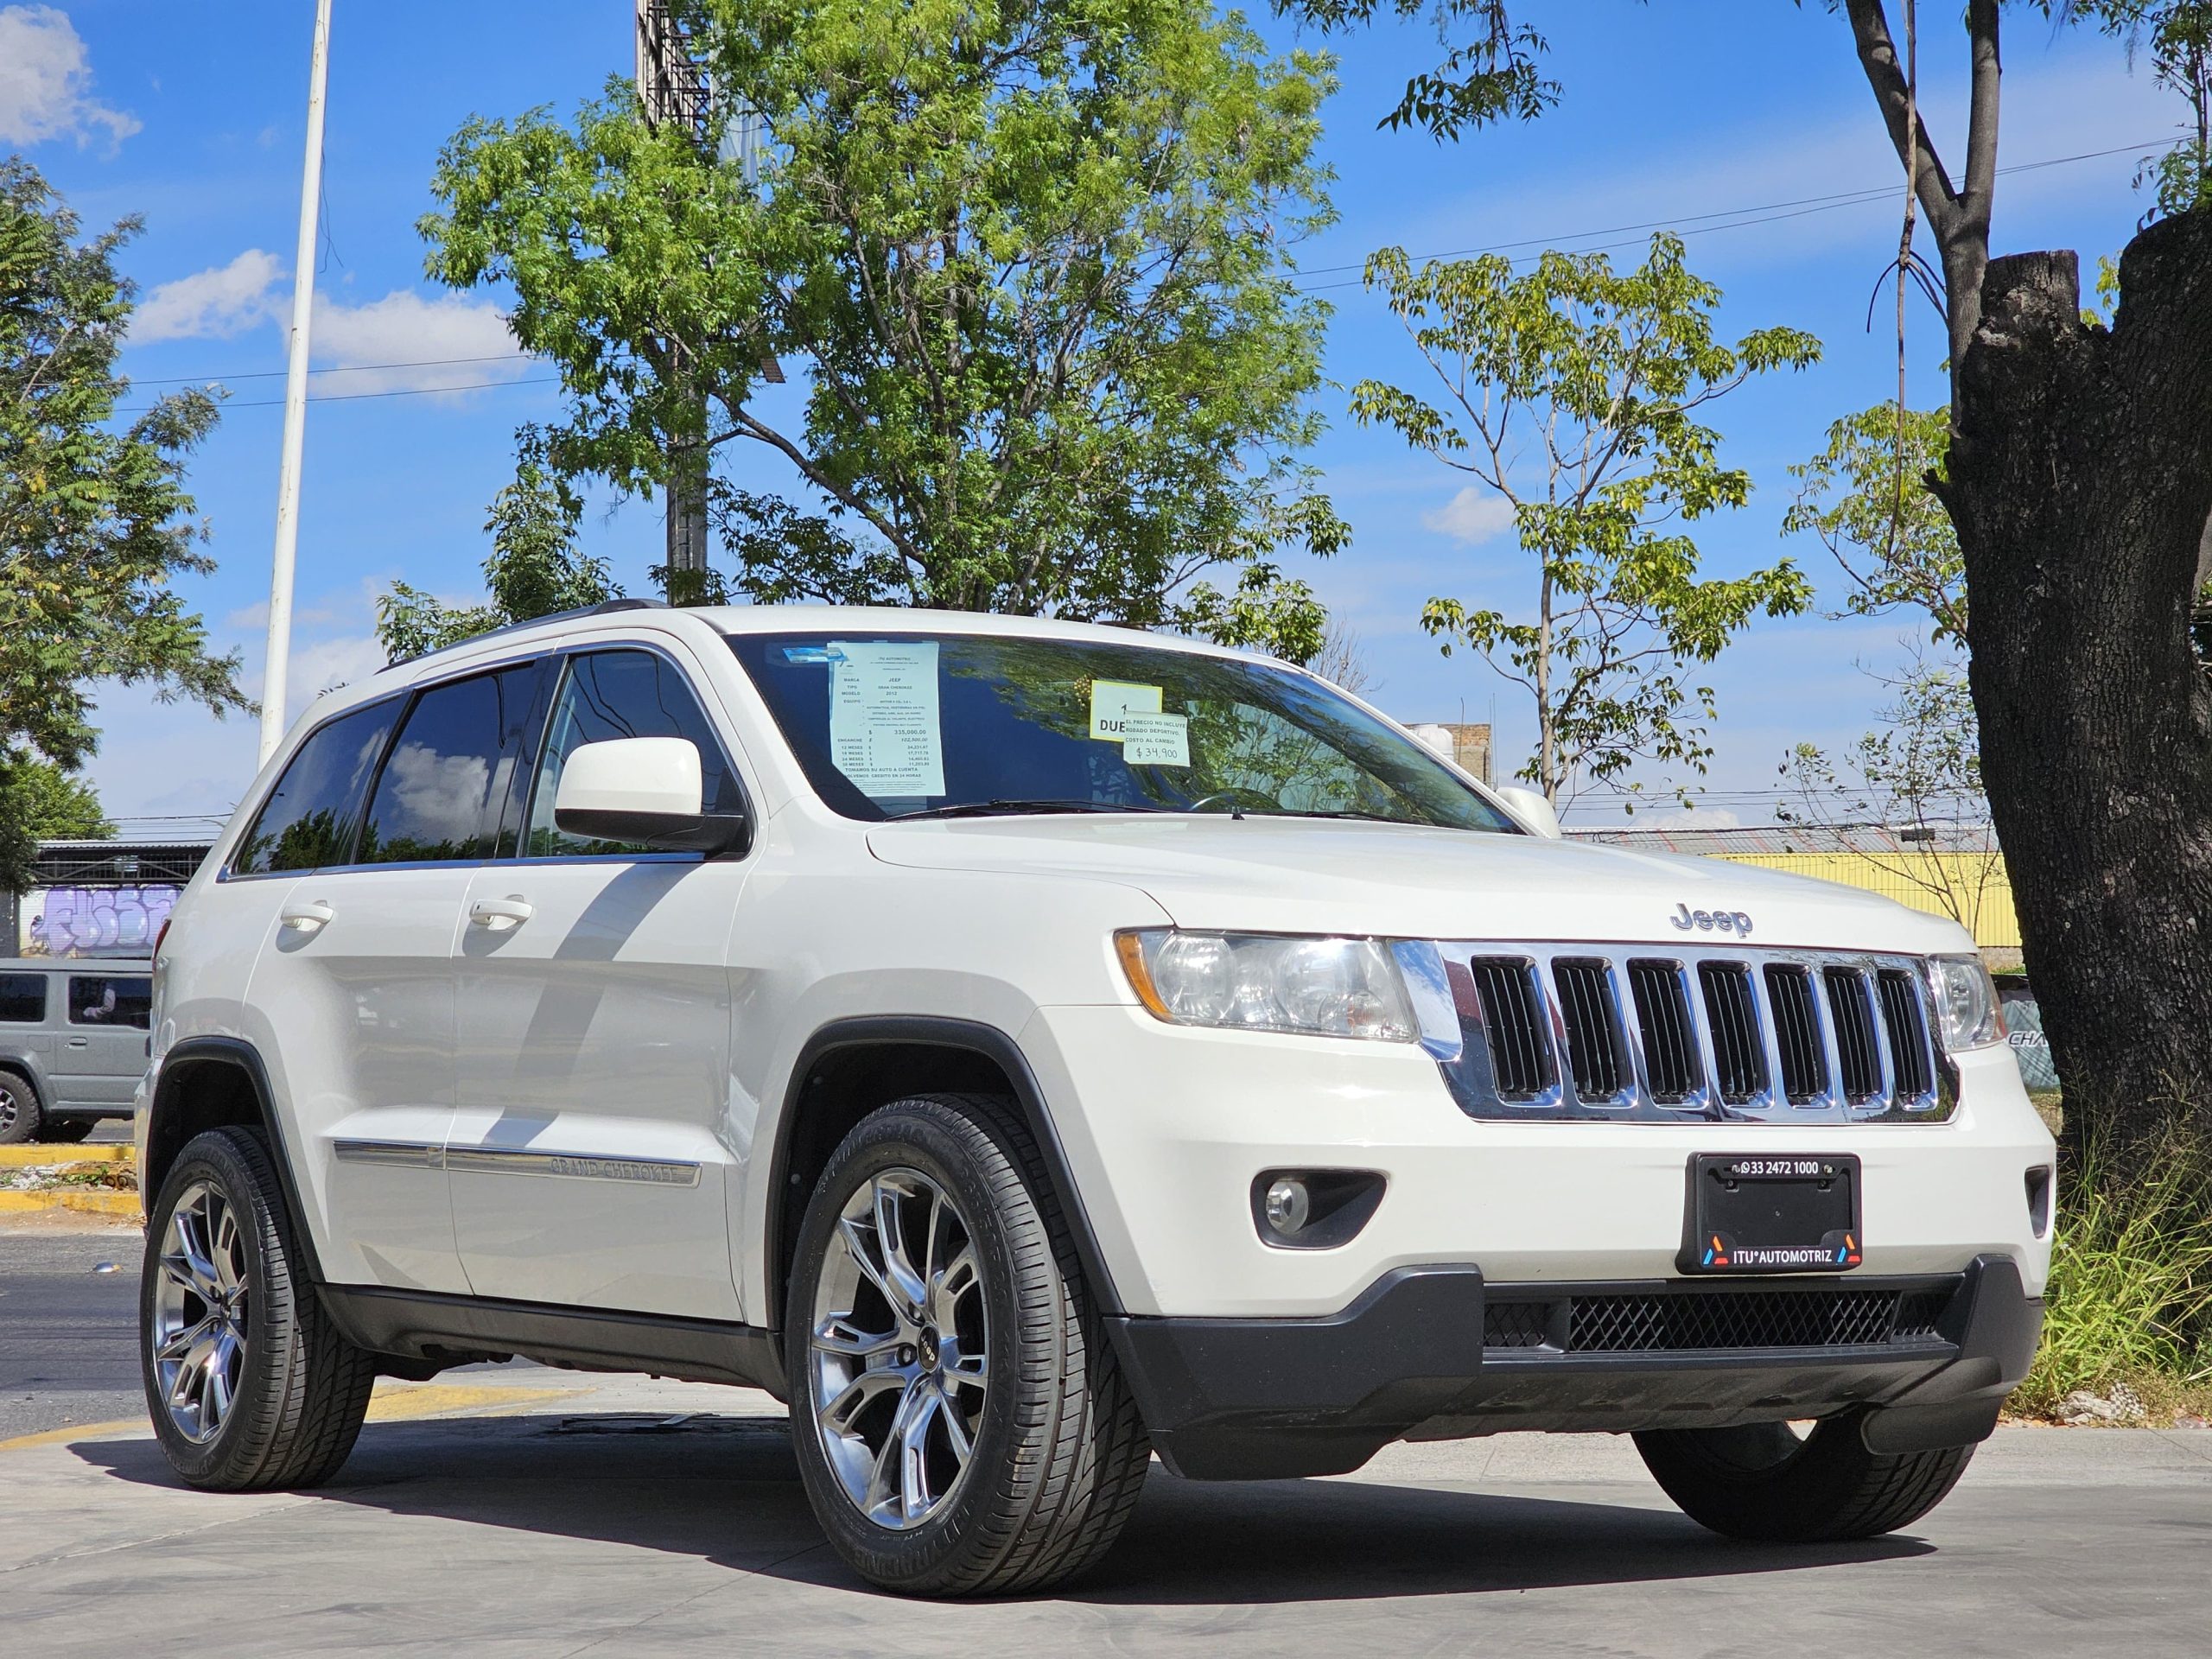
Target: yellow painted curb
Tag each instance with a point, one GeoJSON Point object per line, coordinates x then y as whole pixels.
{"type": "Point", "coordinates": [36, 1154]}
{"type": "Point", "coordinates": [75, 1432]}
{"type": "Point", "coordinates": [396, 1402]}
{"type": "Point", "coordinates": [123, 1206]}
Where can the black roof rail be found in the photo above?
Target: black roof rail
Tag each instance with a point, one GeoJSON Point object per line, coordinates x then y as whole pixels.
{"type": "Point", "coordinates": [605, 607]}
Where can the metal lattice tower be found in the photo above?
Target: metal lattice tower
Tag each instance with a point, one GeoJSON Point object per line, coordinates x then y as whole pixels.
{"type": "Point", "coordinates": [675, 90]}
{"type": "Point", "coordinates": [672, 79]}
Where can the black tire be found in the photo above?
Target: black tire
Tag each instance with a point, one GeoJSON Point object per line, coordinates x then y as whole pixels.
{"type": "Point", "coordinates": [1057, 1452]}
{"type": "Point", "coordinates": [1761, 1483]}
{"type": "Point", "coordinates": [298, 1389]}
{"type": "Point", "coordinates": [67, 1131]}
{"type": "Point", "coordinates": [20, 1116]}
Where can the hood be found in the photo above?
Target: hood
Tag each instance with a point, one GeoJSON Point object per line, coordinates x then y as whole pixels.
{"type": "Point", "coordinates": [1306, 875]}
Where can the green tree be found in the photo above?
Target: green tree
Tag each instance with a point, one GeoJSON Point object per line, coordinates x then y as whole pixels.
{"type": "Point", "coordinates": [1032, 258]}
{"type": "Point", "coordinates": [53, 804]}
{"type": "Point", "coordinates": [1919, 770]}
{"type": "Point", "coordinates": [533, 570]}
{"type": "Point", "coordinates": [1873, 510]}
{"type": "Point", "coordinates": [38, 802]}
{"type": "Point", "coordinates": [1575, 394]}
{"type": "Point", "coordinates": [95, 523]}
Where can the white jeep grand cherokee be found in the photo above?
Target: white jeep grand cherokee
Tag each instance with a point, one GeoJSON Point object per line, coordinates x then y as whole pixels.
{"type": "Point", "coordinates": [1024, 1047]}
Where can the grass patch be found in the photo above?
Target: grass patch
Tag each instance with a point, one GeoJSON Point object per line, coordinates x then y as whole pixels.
{"type": "Point", "coordinates": [106, 1178]}
{"type": "Point", "coordinates": [76, 1176]}
{"type": "Point", "coordinates": [2130, 1298]}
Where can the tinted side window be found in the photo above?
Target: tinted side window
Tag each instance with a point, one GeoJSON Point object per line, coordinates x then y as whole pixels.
{"type": "Point", "coordinates": [22, 998]}
{"type": "Point", "coordinates": [612, 693]}
{"type": "Point", "coordinates": [442, 787]}
{"type": "Point", "coordinates": [310, 818]}
{"type": "Point", "coordinates": [110, 1000]}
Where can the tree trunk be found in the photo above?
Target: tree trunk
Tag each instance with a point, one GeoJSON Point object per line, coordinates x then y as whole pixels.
{"type": "Point", "coordinates": [687, 524]}
{"type": "Point", "coordinates": [2081, 482]}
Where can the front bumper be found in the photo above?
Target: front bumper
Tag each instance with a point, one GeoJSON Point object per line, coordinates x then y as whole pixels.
{"type": "Point", "coordinates": [1165, 1129]}
{"type": "Point", "coordinates": [1433, 1352]}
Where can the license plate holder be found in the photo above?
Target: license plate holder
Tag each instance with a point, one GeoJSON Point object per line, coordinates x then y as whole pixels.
{"type": "Point", "coordinates": [1759, 1213]}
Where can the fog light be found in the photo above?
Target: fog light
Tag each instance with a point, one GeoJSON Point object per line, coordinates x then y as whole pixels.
{"type": "Point", "coordinates": [1314, 1209]}
{"type": "Point", "coordinates": [1289, 1205]}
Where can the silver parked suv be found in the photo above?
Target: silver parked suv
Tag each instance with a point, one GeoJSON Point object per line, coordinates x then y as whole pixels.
{"type": "Point", "coordinates": [73, 1044]}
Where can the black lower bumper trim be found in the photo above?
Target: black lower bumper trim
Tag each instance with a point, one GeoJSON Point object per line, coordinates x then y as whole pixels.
{"type": "Point", "coordinates": [1230, 1399]}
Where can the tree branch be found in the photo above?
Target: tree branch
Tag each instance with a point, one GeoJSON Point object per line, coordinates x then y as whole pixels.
{"type": "Point", "coordinates": [1982, 120]}
{"type": "Point", "coordinates": [1877, 56]}
{"type": "Point", "coordinates": [760, 432]}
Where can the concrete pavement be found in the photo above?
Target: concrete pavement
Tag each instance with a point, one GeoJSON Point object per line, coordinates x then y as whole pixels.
{"type": "Point", "coordinates": [517, 1510]}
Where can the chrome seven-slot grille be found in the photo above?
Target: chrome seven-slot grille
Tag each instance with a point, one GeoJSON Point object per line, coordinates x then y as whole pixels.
{"type": "Point", "coordinates": [1632, 1032]}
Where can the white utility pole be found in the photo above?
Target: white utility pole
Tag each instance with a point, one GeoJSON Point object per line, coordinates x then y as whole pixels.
{"type": "Point", "coordinates": [296, 406]}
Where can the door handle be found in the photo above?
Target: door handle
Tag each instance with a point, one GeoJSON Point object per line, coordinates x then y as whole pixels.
{"type": "Point", "coordinates": [310, 917]}
{"type": "Point", "coordinates": [500, 915]}
{"type": "Point", "coordinates": [80, 1042]}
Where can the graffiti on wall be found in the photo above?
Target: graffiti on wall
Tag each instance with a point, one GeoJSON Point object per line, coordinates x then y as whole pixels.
{"type": "Point", "coordinates": [94, 921]}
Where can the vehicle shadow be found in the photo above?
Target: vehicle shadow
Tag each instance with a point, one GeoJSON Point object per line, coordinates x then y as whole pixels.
{"type": "Point", "coordinates": [725, 1490]}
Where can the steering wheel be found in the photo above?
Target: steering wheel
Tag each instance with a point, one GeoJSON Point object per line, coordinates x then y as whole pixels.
{"type": "Point", "coordinates": [1265, 802]}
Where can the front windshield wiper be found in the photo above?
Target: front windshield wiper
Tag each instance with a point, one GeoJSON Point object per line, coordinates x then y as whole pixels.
{"type": "Point", "coordinates": [1011, 808]}
{"type": "Point", "coordinates": [1368, 817]}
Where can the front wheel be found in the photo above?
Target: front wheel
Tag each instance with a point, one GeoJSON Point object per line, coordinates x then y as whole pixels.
{"type": "Point", "coordinates": [961, 1425]}
{"type": "Point", "coordinates": [250, 1386]}
{"type": "Point", "coordinates": [1767, 1484]}
{"type": "Point", "coordinates": [20, 1118]}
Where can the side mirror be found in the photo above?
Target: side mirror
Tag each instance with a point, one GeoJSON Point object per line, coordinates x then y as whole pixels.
{"type": "Point", "coordinates": [1532, 809]}
{"type": "Point", "coordinates": [645, 791]}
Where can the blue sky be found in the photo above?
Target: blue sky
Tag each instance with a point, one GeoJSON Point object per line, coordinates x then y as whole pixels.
{"type": "Point", "coordinates": [193, 118]}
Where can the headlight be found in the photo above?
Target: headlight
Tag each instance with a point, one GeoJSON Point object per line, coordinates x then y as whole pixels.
{"type": "Point", "coordinates": [1263, 981]}
{"type": "Point", "coordinates": [1966, 1002]}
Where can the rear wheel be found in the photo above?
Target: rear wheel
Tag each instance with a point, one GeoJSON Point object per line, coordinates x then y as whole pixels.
{"type": "Point", "coordinates": [20, 1116]}
{"type": "Point", "coordinates": [1768, 1484]}
{"type": "Point", "coordinates": [248, 1385]}
{"type": "Point", "coordinates": [961, 1425]}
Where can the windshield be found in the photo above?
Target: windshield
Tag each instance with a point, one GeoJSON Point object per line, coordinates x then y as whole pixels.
{"type": "Point", "coordinates": [896, 726]}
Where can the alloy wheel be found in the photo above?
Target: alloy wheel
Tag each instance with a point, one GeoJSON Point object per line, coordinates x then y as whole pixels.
{"type": "Point", "coordinates": [898, 1354]}
{"type": "Point", "coordinates": [11, 1108]}
{"type": "Point", "coordinates": [199, 1328]}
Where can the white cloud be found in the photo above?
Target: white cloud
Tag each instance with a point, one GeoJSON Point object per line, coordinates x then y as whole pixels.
{"type": "Point", "coordinates": [46, 79]}
{"type": "Point", "coordinates": [1471, 518]}
{"type": "Point", "coordinates": [213, 304]}
{"type": "Point", "coordinates": [403, 342]}
{"type": "Point", "coordinates": [405, 328]}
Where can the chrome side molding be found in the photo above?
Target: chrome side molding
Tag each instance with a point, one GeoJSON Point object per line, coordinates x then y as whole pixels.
{"type": "Point", "coordinates": [516, 1161]}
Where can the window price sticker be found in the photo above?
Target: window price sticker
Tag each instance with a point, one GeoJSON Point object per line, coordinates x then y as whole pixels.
{"type": "Point", "coordinates": [1156, 740]}
{"type": "Point", "coordinates": [884, 733]}
{"type": "Point", "coordinates": [1112, 702]}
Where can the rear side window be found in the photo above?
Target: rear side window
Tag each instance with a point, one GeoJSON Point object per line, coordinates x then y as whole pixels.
{"type": "Point", "coordinates": [610, 694]}
{"type": "Point", "coordinates": [22, 999]}
{"type": "Point", "coordinates": [110, 1000]}
{"type": "Point", "coordinates": [309, 818]}
{"type": "Point", "coordinates": [440, 793]}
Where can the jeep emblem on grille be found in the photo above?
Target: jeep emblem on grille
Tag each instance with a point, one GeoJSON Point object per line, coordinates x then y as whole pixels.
{"type": "Point", "coordinates": [1728, 921]}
